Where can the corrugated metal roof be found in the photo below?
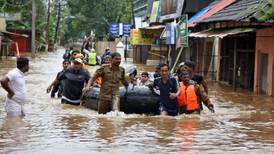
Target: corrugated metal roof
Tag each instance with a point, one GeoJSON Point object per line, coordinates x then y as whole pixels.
{"type": "Point", "coordinates": [242, 10]}
{"type": "Point", "coordinates": [198, 15]}
{"type": "Point", "coordinates": [221, 33]}
{"type": "Point", "coordinates": [214, 9]}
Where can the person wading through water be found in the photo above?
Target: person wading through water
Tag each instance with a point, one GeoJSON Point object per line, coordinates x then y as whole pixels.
{"type": "Point", "coordinates": [15, 84]}
{"type": "Point", "coordinates": [189, 66]}
{"type": "Point", "coordinates": [190, 92]}
{"type": "Point", "coordinates": [59, 87]}
{"type": "Point", "coordinates": [75, 78]}
{"type": "Point", "coordinates": [112, 75]}
{"type": "Point", "coordinates": [169, 90]}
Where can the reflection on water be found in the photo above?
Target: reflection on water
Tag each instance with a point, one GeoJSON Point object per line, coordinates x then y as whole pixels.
{"type": "Point", "coordinates": [14, 134]}
{"type": "Point", "coordinates": [186, 131]}
{"type": "Point", "coordinates": [243, 123]}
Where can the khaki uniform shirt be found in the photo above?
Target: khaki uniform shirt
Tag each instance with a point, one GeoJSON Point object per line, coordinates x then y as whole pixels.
{"type": "Point", "coordinates": [111, 79]}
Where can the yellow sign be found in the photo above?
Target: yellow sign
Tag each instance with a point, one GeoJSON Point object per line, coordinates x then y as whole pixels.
{"type": "Point", "coordinates": [144, 37]}
{"type": "Point", "coordinates": [135, 36]}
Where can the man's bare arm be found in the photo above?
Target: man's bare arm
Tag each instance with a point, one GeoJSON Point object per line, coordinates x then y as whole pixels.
{"type": "Point", "coordinates": [5, 84]}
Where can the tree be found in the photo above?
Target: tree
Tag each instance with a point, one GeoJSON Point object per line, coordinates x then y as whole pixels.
{"type": "Point", "coordinates": [96, 15]}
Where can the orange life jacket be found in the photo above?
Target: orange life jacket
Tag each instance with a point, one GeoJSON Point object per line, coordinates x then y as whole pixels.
{"type": "Point", "coordinates": [188, 97]}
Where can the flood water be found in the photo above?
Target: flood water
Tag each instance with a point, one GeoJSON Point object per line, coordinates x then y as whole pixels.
{"type": "Point", "coordinates": [242, 123]}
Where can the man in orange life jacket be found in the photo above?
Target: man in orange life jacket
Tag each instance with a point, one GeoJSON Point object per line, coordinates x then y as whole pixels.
{"type": "Point", "coordinates": [188, 98]}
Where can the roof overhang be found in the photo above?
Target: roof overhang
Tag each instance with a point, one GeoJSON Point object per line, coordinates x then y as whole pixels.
{"type": "Point", "coordinates": [154, 27]}
{"type": "Point", "coordinates": [221, 33]}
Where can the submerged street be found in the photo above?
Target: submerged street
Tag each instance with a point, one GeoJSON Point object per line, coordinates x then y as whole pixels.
{"type": "Point", "coordinates": [242, 122]}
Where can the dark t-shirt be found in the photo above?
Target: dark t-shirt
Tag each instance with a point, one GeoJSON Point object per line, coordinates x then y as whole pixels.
{"type": "Point", "coordinates": [165, 89]}
{"type": "Point", "coordinates": [74, 82]}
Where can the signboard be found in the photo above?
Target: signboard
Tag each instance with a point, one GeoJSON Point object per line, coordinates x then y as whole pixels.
{"type": "Point", "coordinates": [119, 29]}
{"type": "Point", "coordinates": [142, 37]}
{"type": "Point", "coordinates": [170, 33]}
{"type": "Point", "coordinates": [11, 16]}
{"type": "Point", "coordinates": [154, 13]}
{"type": "Point", "coordinates": [126, 29]}
{"type": "Point", "coordinates": [183, 31]}
{"type": "Point", "coordinates": [139, 23]}
{"type": "Point", "coordinates": [171, 9]}
{"type": "Point", "coordinates": [114, 29]}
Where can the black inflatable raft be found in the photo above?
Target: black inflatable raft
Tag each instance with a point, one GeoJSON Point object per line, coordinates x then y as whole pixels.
{"type": "Point", "coordinates": [140, 100]}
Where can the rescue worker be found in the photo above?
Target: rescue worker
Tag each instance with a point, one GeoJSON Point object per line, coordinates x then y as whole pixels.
{"type": "Point", "coordinates": [112, 74]}
{"type": "Point", "coordinates": [190, 92]}
{"type": "Point", "coordinates": [92, 58]}
{"type": "Point", "coordinates": [98, 81]}
{"type": "Point", "coordinates": [189, 66]}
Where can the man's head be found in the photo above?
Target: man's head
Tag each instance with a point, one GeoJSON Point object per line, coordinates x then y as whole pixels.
{"type": "Point", "coordinates": [164, 70]}
{"type": "Point", "coordinates": [92, 50]}
{"type": "Point", "coordinates": [144, 77]}
{"type": "Point", "coordinates": [78, 63]}
{"type": "Point", "coordinates": [66, 64]}
{"type": "Point", "coordinates": [79, 55]}
{"type": "Point", "coordinates": [71, 48]}
{"type": "Point", "coordinates": [74, 53]}
{"type": "Point", "coordinates": [107, 59]}
{"type": "Point", "coordinates": [23, 64]}
{"type": "Point", "coordinates": [184, 76]}
{"type": "Point", "coordinates": [157, 69]}
{"type": "Point", "coordinates": [189, 66]}
{"type": "Point", "coordinates": [116, 59]}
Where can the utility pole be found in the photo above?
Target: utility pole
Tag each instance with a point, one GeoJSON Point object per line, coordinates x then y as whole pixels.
{"type": "Point", "coordinates": [132, 15]}
{"type": "Point", "coordinates": [33, 29]}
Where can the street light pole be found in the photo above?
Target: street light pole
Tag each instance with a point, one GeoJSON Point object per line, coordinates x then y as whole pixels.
{"type": "Point", "coordinates": [33, 29]}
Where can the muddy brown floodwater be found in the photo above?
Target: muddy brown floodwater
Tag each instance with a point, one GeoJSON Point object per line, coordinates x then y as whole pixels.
{"type": "Point", "coordinates": [243, 123]}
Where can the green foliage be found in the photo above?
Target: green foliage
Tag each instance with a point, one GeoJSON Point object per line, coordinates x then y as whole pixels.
{"type": "Point", "coordinates": [78, 17]}
{"type": "Point", "coordinates": [25, 7]}
{"type": "Point", "coordinates": [96, 15]}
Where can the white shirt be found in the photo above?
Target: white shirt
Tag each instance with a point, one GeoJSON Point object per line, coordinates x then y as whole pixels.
{"type": "Point", "coordinates": [17, 83]}
{"type": "Point", "coordinates": [139, 83]}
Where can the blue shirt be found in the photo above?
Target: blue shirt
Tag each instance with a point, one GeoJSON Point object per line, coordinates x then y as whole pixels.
{"type": "Point", "coordinates": [165, 89]}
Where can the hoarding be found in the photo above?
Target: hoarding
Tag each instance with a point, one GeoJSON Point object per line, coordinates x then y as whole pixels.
{"type": "Point", "coordinates": [119, 29]}
{"type": "Point", "coordinates": [170, 31]}
{"type": "Point", "coordinates": [183, 31]}
{"type": "Point", "coordinates": [144, 37]}
{"type": "Point", "coordinates": [154, 13]}
{"type": "Point", "coordinates": [171, 9]}
{"type": "Point", "coordinates": [114, 29]}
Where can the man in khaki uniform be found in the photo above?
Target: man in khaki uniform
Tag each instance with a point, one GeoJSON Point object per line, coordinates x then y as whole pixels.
{"type": "Point", "coordinates": [112, 75]}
